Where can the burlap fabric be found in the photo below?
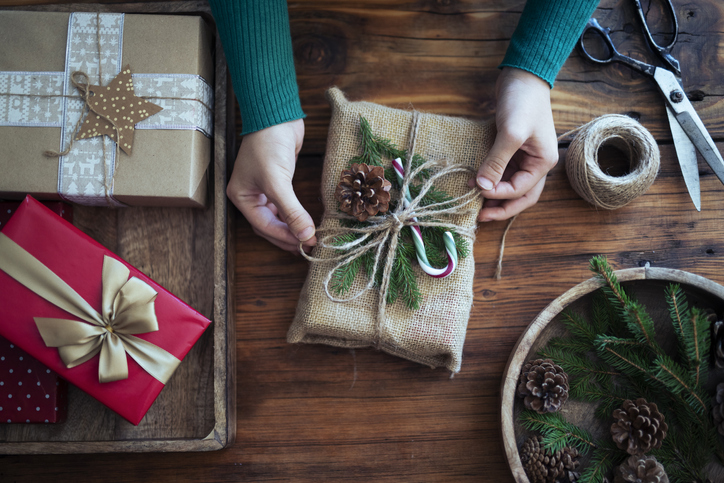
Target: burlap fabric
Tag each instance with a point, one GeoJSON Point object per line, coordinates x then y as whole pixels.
{"type": "Point", "coordinates": [434, 334]}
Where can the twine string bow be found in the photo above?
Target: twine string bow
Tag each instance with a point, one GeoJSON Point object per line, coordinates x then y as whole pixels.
{"type": "Point", "coordinates": [127, 308]}
{"type": "Point", "coordinates": [382, 232]}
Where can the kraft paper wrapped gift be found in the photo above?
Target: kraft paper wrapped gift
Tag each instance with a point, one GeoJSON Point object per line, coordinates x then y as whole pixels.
{"type": "Point", "coordinates": [94, 319]}
{"type": "Point", "coordinates": [434, 334]}
{"type": "Point", "coordinates": [172, 65]}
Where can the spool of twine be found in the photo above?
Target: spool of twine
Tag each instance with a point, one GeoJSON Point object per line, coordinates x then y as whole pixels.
{"type": "Point", "coordinates": [585, 173]}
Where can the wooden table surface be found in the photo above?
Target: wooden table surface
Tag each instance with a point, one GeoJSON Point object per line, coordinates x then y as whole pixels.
{"type": "Point", "coordinates": [317, 413]}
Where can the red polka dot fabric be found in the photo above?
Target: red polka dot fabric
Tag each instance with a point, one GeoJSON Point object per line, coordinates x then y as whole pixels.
{"type": "Point", "coordinates": [29, 391]}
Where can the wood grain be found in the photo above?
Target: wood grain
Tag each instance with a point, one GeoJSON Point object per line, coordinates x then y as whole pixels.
{"type": "Point", "coordinates": [316, 413]}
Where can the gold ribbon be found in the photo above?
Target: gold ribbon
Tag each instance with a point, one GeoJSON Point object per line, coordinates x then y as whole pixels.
{"type": "Point", "coordinates": [127, 308]}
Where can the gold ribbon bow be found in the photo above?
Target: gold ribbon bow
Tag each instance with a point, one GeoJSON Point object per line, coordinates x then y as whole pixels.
{"type": "Point", "coordinates": [127, 308]}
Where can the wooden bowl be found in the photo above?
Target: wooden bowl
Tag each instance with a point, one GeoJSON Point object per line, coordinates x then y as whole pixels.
{"type": "Point", "coordinates": [647, 285]}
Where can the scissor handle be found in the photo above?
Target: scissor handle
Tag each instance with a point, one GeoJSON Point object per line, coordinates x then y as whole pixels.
{"type": "Point", "coordinates": [614, 55]}
{"type": "Point", "coordinates": [603, 33]}
{"type": "Point", "coordinates": [664, 52]}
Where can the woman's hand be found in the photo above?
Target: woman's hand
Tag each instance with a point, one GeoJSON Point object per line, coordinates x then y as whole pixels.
{"type": "Point", "coordinates": [261, 186]}
{"type": "Point", "coordinates": [525, 148]}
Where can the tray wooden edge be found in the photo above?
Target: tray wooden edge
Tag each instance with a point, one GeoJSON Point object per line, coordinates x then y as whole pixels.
{"type": "Point", "coordinates": [520, 351]}
{"type": "Point", "coordinates": [223, 433]}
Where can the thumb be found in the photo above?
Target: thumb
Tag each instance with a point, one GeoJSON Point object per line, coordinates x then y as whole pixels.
{"type": "Point", "coordinates": [292, 212]}
{"type": "Point", "coordinates": [492, 168]}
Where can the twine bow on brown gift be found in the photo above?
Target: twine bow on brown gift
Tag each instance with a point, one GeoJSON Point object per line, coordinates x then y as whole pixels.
{"type": "Point", "coordinates": [127, 308]}
{"type": "Point", "coordinates": [383, 232]}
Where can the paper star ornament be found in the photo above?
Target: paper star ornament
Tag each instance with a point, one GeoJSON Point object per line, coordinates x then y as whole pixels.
{"type": "Point", "coordinates": [116, 104]}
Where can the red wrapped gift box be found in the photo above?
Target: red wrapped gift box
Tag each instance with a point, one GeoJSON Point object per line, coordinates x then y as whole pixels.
{"type": "Point", "coordinates": [29, 391]}
{"type": "Point", "coordinates": [79, 261]}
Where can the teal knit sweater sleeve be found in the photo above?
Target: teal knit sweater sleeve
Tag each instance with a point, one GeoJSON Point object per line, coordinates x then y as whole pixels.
{"type": "Point", "coordinates": [546, 34]}
{"type": "Point", "coordinates": [258, 48]}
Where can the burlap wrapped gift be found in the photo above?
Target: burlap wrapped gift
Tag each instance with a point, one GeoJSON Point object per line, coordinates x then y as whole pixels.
{"type": "Point", "coordinates": [434, 334]}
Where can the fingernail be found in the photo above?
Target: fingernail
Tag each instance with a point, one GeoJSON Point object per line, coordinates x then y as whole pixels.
{"type": "Point", "coordinates": [485, 183]}
{"type": "Point", "coordinates": [306, 234]}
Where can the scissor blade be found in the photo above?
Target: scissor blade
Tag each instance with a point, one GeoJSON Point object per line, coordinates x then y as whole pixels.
{"type": "Point", "coordinates": [690, 122]}
{"type": "Point", "coordinates": [686, 152]}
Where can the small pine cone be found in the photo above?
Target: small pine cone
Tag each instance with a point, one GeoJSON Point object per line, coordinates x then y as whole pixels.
{"type": "Point", "coordinates": [363, 191]}
{"type": "Point", "coordinates": [640, 469]}
{"type": "Point", "coordinates": [717, 340]}
{"type": "Point", "coordinates": [639, 427]}
{"type": "Point", "coordinates": [542, 466]}
{"type": "Point", "coordinates": [717, 408]}
{"type": "Point", "coordinates": [544, 385]}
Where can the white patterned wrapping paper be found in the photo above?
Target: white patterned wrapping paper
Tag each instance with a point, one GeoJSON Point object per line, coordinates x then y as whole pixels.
{"type": "Point", "coordinates": [81, 176]}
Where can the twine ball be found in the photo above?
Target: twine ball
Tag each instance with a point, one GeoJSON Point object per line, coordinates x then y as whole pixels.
{"type": "Point", "coordinates": [585, 174]}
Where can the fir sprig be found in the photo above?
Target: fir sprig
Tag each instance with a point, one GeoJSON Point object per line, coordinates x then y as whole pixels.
{"type": "Point", "coordinates": [557, 432]}
{"type": "Point", "coordinates": [375, 148]}
{"type": "Point", "coordinates": [638, 320]}
{"type": "Point", "coordinates": [605, 457]}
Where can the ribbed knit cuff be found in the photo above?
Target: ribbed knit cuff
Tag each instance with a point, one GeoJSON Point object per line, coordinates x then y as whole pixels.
{"type": "Point", "coordinates": [546, 34]}
{"type": "Point", "coordinates": [258, 48]}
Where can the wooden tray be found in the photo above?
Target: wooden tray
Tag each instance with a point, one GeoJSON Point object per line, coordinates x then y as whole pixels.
{"type": "Point", "coordinates": [189, 252]}
{"type": "Point", "coordinates": [647, 285]}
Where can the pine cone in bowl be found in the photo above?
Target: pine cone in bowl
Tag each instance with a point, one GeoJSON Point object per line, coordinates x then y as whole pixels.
{"type": "Point", "coordinates": [544, 385]}
{"type": "Point", "coordinates": [639, 427]}
{"type": "Point", "coordinates": [363, 191]}
{"type": "Point", "coordinates": [640, 469]}
{"type": "Point", "coordinates": [542, 466]}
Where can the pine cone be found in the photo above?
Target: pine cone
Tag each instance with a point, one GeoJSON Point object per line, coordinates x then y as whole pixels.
{"type": "Point", "coordinates": [717, 408]}
{"type": "Point", "coordinates": [640, 469]}
{"type": "Point", "coordinates": [717, 340]}
{"type": "Point", "coordinates": [543, 467]}
{"type": "Point", "coordinates": [544, 385]}
{"type": "Point", "coordinates": [639, 427]}
{"type": "Point", "coordinates": [363, 191]}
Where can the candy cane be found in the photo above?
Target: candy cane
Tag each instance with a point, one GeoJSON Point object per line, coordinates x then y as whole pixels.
{"type": "Point", "coordinates": [448, 240]}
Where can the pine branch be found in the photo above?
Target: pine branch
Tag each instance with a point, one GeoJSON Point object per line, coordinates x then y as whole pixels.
{"type": "Point", "coordinates": [578, 366]}
{"type": "Point", "coordinates": [697, 345]}
{"type": "Point", "coordinates": [557, 432]}
{"type": "Point", "coordinates": [676, 380]}
{"type": "Point", "coordinates": [625, 355]}
{"type": "Point", "coordinates": [402, 280]}
{"type": "Point", "coordinates": [579, 327]}
{"type": "Point", "coordinates": [605, 457]}
{"type": "Point", "coordinates": [571, 344]}
{"type": "Point", "coordinates": [603, 318]}
{"type": "Point", "coordinates": [374, 148]}
{"type": "Point", "coordinates": [684, 455]}
{"type": "Point", "coordinates": [343, 277]}
{"type": "Point", "coordinates": [633, 313]}
{"type": "Point", "coordinates": [678, 310]}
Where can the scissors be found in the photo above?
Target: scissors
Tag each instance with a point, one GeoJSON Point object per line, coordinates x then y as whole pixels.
{"type": "Point", "coordinates": [687, 129]}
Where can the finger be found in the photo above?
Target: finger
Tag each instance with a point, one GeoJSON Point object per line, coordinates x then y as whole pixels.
{"type": "Point", "coordinates": [496, 210]}
{"type": "Point", "coordinates": [493, 166]}
{"type": "Point", "coordinates": [300, 222]}
{"type": "Point", "coordinates": [290, 247]}
{"type": "Point", "coordinates": [530, 170]}
{"type": "Point", "coordinates": [255, 209]}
